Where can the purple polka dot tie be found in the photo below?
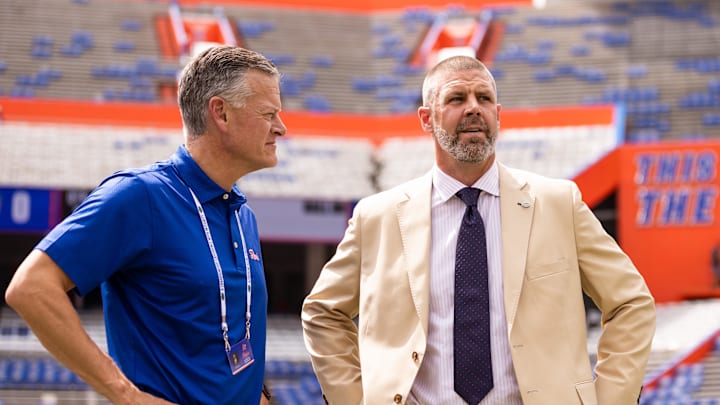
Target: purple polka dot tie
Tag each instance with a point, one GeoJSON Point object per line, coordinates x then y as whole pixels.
{"type": "Point", "coordinates": [471, 330]}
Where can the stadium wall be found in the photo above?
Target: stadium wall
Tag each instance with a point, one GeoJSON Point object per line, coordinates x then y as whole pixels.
{"type": "Point", "coordinates": [374, 127]}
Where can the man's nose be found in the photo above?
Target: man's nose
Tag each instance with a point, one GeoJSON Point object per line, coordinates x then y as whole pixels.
{"type": "Point", "coordinates": [279, 129]}
{"type": "Point", "coordinates": [473, 106]}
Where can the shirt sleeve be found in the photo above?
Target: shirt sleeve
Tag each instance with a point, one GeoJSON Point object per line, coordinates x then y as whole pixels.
{"type": "Point", "coordinates": [104, 234]}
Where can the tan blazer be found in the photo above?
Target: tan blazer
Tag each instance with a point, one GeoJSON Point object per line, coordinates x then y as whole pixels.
{"type": "Point", "coordinates": [552, 251]}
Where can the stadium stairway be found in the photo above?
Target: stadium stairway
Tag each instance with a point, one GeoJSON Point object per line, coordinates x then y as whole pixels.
{"type": "Point", "coordinates": [692, 383]}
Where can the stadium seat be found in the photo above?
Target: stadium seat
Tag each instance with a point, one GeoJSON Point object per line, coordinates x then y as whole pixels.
{"type": "Point", "coordinates": [317, 103]}
{"type": "Point", "coordinates": [131, 25]}
{"type": "Point", "coordinates": [323, 61]}
{"type": "Point", "coordinates": [124, 46]}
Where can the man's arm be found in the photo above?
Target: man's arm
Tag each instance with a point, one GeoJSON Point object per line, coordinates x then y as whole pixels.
{"type": "Point", "coordinates": [620, 292]}
{"type": "Point", "coordinates": [38, 292]}
{"type": "Point", "coordinates": [327, 320]}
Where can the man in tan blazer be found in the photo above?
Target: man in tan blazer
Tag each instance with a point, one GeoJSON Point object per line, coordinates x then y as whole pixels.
{"type": "Point", "coordinates": [378, 323]}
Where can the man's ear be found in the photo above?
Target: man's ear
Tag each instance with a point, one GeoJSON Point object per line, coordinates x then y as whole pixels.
{"type": "Point", "coordinates": [425, 119]}
{"type": "Point", "coordinates": [217, 108]}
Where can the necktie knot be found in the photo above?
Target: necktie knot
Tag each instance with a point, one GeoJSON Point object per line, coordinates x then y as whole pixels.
{"type": "Point", "coordinates": [469, 195]}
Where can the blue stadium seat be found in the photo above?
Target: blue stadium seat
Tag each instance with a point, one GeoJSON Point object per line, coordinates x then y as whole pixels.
{"type": "Point", "coordinates": [380, 29]}
{"type": "Point", "coordinates": [543, 75]}
{"type": "Point", "coordinates": [290, 87]}
{"type": "Point", "coordinates": [693, 136]}
{"type": "Point", "coordinates": [390, 41]}
{"type": "Point", "coordinates": [323, 61]}
{"type": "Point", "coordinates": [363, 85]}
{"type": "Point", "coordinates": [254, 29]}
{"type": "Point", "coordinates": [310, 385]}
{"type": "Point", "coordinates": [317, 103]}
{"type": "Point", "coordinates": [281, 59]}
{"type": "Point", "coordinates": [580, 50]}
{"type": "Point", "coordinates": [546, 44]}
{"type": "Point", "coordinates": [147, 66]}
{"type": "Point", "coordinates": [140, 82]}
{"type": "Point", "coordinates": [538, 58]}
{"type": "Point", "coordinates": [711, 119]}
{"type": "Point", "coordinates": [699, 99]}
{"type": "Point", "coordinates": [80, 41]}
{"type": "Point", "coordinates": [43, 40]}
{"type": "Point", "coordinates": [646, 135]}
{"type": "Point", "coordinates": [512, 53]}
{"type": "Point", "coordinates": [308, 80]}
{"type": "Point", "coordinates": [637, 71]}
{"type": "Point", "coordinates": [707, 21]}
{"type": "Point", "coordinates": [21, 92]}
{"type": "Point", "coordinates": [713, 86]}
{"type": "Point", "coordinates": [72, 50]}
{"type": "Point", "coordinates": [497, 73]}
{"type": "Point", "coordinates": [40, 52]}
{"type": "Point", "coordinates": [130, 25]}
{"type": "Point", "coordinates": [615, 39]}
{"type": "Point", "coordinates": [124, 46]}
{"type": "Point", "coordinates": [590, 74]}
{"type": "Point", "coordinates": [418, 14]}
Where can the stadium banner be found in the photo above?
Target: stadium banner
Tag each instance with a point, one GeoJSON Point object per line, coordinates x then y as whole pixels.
{"type": "Point", "coordinates": [670, 217]}
{"type": "Point", "coordinates": [28, 210]}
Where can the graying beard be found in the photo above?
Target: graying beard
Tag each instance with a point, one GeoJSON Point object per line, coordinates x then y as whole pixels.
{"type": "Point", "coordinates": [472, 153]}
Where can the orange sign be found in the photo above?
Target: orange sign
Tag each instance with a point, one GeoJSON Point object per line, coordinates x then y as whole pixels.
{"type": "Point", "coordinates": [669, 216]}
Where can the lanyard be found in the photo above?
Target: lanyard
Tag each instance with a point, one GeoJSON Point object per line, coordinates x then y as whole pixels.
{"type": "Point", "coordinates": [218, 269]}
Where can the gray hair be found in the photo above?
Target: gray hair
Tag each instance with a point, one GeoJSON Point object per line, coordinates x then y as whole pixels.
{"type": "Point", "coordinates": [217, 71]}
{"type": "Point", "coordinates": [452, 64]}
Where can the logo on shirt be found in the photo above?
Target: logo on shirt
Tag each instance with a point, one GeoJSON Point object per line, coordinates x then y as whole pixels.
{"type": "Point", "coordinates": [253, 255]}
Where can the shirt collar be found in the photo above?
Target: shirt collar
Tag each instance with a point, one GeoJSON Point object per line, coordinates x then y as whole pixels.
{"type": "Point", "coordinates": [195, 178]}
{"type": "Point", "coordinates": [447, 186]}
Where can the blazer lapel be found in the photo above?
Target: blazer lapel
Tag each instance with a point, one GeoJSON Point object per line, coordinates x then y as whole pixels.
{"type": "Point", "coordinates": [413, 215]}
{"type": "Point", "coordinates": [517, 206]}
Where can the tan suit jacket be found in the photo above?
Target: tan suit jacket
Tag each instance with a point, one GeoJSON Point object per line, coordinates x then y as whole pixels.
{"type": "Point", "coordinates": [552, 251]}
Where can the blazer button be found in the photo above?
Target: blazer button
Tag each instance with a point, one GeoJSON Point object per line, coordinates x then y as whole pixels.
{"type": "Point", "coordinates": [415, 356]}
{"type": "Point", "coordinates": [398, 398]}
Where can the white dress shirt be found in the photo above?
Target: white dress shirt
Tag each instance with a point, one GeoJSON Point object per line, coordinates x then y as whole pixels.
{"type": "Point", "coordinates": [434, 382]}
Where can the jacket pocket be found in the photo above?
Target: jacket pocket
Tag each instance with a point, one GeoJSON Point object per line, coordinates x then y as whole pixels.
{"type": "Point", "coordinates": [547, 269]}
{"type": "Point", "coordinates": [586, 392]}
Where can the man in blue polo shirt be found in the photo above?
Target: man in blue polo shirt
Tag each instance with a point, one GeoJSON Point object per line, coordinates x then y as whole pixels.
{"type": "Point", "coordinates": [175, 248]}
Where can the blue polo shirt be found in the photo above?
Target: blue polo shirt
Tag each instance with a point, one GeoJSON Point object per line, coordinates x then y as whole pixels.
{"type": "Point", "coordinates": [139, 236]}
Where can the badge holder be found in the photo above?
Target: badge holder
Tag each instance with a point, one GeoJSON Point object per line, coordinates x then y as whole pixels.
{"type": "Point", "coordinates": [240, 355]}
